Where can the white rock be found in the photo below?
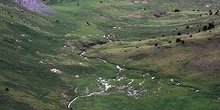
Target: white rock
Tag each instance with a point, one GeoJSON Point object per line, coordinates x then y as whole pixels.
{"type": "Point", "coordinates": [29, 40]}
{"type": "Point", "coordinates": [153, 77]}
{"type": "Point", "coordinates": [172, 80]}
{"type": "Point", "coordinates": [208, 5]}
{"type": "Point", "coordinates": [17, 40]}
{"type": "Point", "coordinates": [23, 35]}
{"type": "Point", "coordinates": [82, 54]}
{"type": "Point", "coordinates": [56, 71]}
{"type": "Point", "coordinates": [119, 68]}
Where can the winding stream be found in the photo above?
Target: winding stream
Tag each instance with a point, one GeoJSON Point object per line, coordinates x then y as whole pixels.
{"type": "Point", "coordinates": [126, 88]}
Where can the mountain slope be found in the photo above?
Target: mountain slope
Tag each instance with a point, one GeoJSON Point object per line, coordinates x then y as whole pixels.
{"type": "Point", "coordinates": [111, 55]}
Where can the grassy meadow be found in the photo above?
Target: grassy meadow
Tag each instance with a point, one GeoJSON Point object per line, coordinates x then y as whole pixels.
{"type": "Point", "coordinates": [181, 75]}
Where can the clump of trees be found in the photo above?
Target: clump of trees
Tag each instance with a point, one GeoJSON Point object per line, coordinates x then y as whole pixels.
{"type": "Point", "coordinates": [209, 27]}
{"type": "Point", "coordinates": [179, 40]}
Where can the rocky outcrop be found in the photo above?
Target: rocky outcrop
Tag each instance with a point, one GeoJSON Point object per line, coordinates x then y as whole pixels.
{"type": "Point", "coordinates": [34, 5]}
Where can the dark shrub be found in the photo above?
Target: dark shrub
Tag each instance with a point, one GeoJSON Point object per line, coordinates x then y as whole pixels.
{"type": "Point", "coordinates": [87, 23]}
{"type": "Point", "coordinates": [205, 28]}
{"type": "Point", "coordinates": [57, 21]}
{"type": "Point", "coordinates": [176, 10]}
{"type": "Point", "coordinates": [211, 25]}
{"type": "Point", "coordinates": [179, 34]}
{"type": "Point", "coordinates": [178, 40]}
{"type": "Point", "coordinates": [6, 89]}
{"type": "Point", "coordinates": [210, 12]}
{"type": "Point", "coordinates": [182, 41]}
{"type": "Point", "coordinates": [216, 13]}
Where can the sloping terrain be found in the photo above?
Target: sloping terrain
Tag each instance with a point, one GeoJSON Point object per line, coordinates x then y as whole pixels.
{"type": "Point", "coordinates": [110, 55]}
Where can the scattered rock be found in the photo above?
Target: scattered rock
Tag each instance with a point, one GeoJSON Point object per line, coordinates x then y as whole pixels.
{"type": "Point", "coordinates": [159, 14]}
{"type": "Point", "coordinates": [56, 71]}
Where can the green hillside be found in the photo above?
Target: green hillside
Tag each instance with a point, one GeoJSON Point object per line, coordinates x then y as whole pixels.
{"type": "Point", "coordinates": [111, 55]}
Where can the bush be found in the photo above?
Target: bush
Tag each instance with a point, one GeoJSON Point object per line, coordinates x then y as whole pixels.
{"type": "Point", "coordinates": [205, 28]}
{"type": "Point", "coordinates": [57, 21]}
{"type": "Point", "coordinates": [6, 89]}
{"type": "Point", "coordinates": [178, 40]}
{"type": "Point", "coordinates": [87, 23]}
{"type": "Point", "coordinates": [216, 13]}
{"type": "Point", "coordinates": [182, 41]}
{"type": "Point", "coordinates": [179, 34]}
{"type": "Point", "coordinates": [211, 25]}
{"type": "Point", "coordinates": [176, 10]}
{"type": "Point", "coordinates": [210, 12]}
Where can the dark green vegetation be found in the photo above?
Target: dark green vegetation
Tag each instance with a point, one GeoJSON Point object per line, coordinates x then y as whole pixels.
{"type": "Point", "coordinates": [182, 75]}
